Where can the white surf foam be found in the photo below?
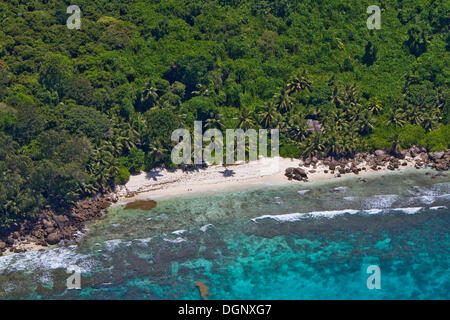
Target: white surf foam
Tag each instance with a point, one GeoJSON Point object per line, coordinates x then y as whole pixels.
{"type": "Point", "coordinates": [144, 240]}
{"type": "Point", "coordinates": [298, 216]}
{"type": "Point", "coordinates": [112, 244]}
{"type": "Point", "coordinates": [177, 240]}
{"type": "Point", "coordinates": [47, 260]}
{"type": "Point", "coordinates": [381, 201]}
{"type": "Point", "coordinates": [290, 217]}
{"type": "Point", "coordinates": [438, 207]}
{"type": "Point", "coordinates": [373, 211]}
{"type": "Point", "coordinates": [205, 227]}
{"type": "Point", "coordinates": [427, 199]}
{"type": "Point", "coordinates": [411, 210]}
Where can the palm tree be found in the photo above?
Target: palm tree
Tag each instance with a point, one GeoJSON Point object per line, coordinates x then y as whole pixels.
{"type": "Point", "coordinates": [353, 113]}
{"type": "Point", "coordinates": [283, 102]}
{"type": "Point", "coordinates": [351, 93]}
{"type": "Point", "coordinates": [366, 124]}
{"type": "Point", "coordinates": [215, 143]}
{"type": "Point", "coordinates": [297, 128]}
{"type": "Point", "coordinates": [414, 114]}
{"type": "Point", "coordinates": [336, 97]}
{"type": "Point", "coordinates": [298, 83]}
{"type": "Point", "coordinates": [86, 188]}
{"type": "Point", "coordinates": [313, 145]}
{"type": "Point", "coordinates": [395, 147]}
{"type": "Point", "coordinates": [351, 142]}
{"type": "Point", "coordinates": [245, 120]}
{"type": "Point", "coordinates": [125, 137]}
{"type": "Point", "coordinates": [113, 146]}
{"type": "Point", "coordinates": [269, 116]}
{"type": "Point", "coordinates": [150, 93]}
{"type": "Point", "coordinates": [140, 124]}
{"type": "Point", "coordinates": [202, 90]}
{"type": "Point", "coordinates": [334, 142]}
{"type": "Point", "coordinates": [396, 118]}
{"type": "Point", "coordinates": [375, 105]}
{"type": "Point", "coordinates": [214, 121]}
{"type": "Point", "coordinates": [431, 120]}
{"type": "Point", "coordinates": [284, 125]}
{"type": "Point", "coordinates": [147, 98]}
{"type": "Point", "coordinates": [103, 166]}
{"type": "Point", "coordinates": [338, 117]}
{"type": "Point", "coordinates": [157, 152]}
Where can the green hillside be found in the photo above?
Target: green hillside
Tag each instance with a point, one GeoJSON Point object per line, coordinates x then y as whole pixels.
{"type": "Point", "coordinates": [81, 109]}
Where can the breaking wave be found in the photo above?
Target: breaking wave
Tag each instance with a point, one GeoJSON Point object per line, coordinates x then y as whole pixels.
{"type": "Point", "coordinates": [47, 260]}
{"type": "Point", "coordinates": [290, 217]}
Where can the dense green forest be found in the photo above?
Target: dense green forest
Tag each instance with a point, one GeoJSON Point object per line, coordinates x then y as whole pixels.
{"type": "Point", "coordinates": [82, 109]}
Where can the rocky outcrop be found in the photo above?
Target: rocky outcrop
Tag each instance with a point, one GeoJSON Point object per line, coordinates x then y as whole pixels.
{"type": "Point", "coordinates": [380, 153]}
{"type": "Point", "coordinates": [296, 174]}
{"type": "Point", "coordinates": [54, 237]}
{"type": "Point", "coordinates": [417, 157]}
{"type": "Point", "coordinates": [50, 228]}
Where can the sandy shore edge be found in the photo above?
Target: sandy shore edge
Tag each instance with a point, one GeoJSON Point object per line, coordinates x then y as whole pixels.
{"type": "Point", "coordinates": [160, 184]}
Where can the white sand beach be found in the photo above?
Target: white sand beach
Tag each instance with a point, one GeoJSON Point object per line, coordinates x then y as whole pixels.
{"type": "Point", "coordinates": [163, 184]}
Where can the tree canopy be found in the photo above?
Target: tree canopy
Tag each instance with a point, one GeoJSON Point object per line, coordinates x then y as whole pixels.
{"type": "Point", "coordinates": [81, 109]}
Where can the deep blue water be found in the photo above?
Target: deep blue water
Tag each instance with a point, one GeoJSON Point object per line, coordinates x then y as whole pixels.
{"type": "Point", "coordinates": [263, 243]}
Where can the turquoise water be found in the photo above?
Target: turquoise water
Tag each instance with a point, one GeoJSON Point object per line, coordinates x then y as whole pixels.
{"type": "Point", "coordinates": [302, 241]}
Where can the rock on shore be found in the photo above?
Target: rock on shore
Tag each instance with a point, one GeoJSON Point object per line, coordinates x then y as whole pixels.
{"type": "Point", "coordinates": [51, 228]}
{"type": "Point", "coordinates": [296, 174]}
{"type": "Point", "coordinates": [417, 157]}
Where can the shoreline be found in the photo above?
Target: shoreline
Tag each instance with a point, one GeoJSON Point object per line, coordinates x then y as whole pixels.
{"type": "Point", "coordinates": [161, 184]}
{"type": "Point", "coordinates": [194, 185]}
{"type": "Point", "coordinates": [51, 229]}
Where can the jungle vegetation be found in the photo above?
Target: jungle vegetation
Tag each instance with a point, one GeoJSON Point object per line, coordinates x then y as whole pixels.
{"type": "Point", "coordinates": [82, 109]}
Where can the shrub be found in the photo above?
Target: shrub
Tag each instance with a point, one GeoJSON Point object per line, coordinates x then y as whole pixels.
{"type": "Point", "coordinates": [382, 138]}
{"type": "Point", "coordinates": [437, 140]}
{"type": "Point", "coordinates": [134, 162]}
{"type": "Point", "coordinates": [87, 121]}
{"type": "Point", "coordinates": [289, 150]}
{"type": "Point", "coordinates": [411, 135]}
{"type": "Point", "coordinates": [122, 176]}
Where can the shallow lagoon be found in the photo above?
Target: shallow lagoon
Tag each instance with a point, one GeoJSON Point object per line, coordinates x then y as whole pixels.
{"type": "Point", "coordinates": [261, 243]}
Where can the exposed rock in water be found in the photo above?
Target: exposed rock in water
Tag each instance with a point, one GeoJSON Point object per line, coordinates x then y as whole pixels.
{"type": "Point", "coordinates": [141, 204]}
{"type": "Point", "coordinates": [337, 189]}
